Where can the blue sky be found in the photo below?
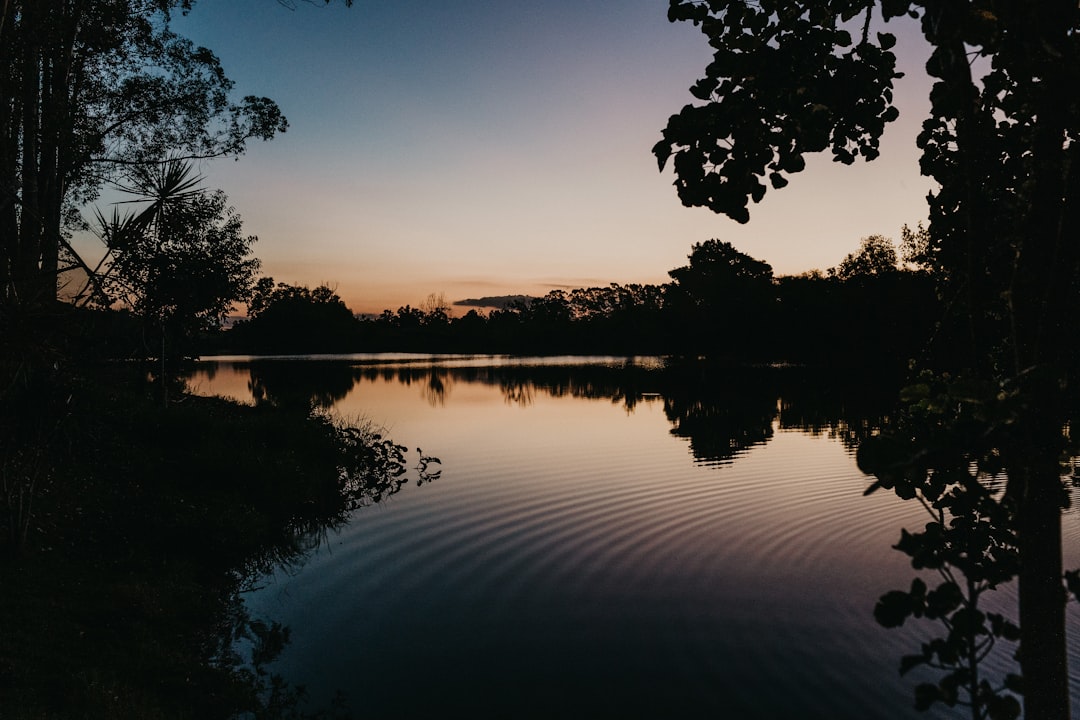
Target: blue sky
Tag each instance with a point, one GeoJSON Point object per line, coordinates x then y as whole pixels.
{"type": "Point", "coordinates": [489, 147]}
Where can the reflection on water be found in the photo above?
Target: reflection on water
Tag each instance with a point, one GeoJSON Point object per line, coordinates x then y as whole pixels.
{"type": "Point", "coordinates": [610, 537]}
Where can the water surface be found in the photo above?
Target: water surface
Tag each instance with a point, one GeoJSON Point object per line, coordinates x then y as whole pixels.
{"type": "Point", "coordinates": [609, 537]}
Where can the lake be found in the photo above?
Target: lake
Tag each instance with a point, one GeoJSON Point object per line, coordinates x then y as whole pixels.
{"type": "Point", "coordinates": [623, 537]}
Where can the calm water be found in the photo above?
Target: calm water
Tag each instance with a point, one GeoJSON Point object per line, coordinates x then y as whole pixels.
{"type": "Point", "coordinates": [608, 538]}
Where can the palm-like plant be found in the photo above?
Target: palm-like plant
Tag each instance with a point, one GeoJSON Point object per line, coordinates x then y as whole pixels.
{"type": "Point", "coordinates": [179, 260]}
{"type": "Point", "coordinates": [162, 189]}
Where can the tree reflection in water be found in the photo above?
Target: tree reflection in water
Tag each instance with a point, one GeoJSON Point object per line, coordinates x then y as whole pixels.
{"type": "Point", "coordinates": [301, 386]}
{"type": "Point", "coordinates": [360, 468]}
{"type": "Point", "coordinates": [722, 413]}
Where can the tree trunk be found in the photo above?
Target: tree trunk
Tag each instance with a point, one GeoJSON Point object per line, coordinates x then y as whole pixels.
{"type": "Point", "coordinates": [9, 114]}
{"type": "Point", "coordinates": [29, 246]}
{"type": "Point", "coordinates": [1042, 595]}
{"type": "Point", "coordinates": [1043, 299]}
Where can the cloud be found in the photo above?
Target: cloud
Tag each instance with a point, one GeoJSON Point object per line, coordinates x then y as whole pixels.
{"type": "Point", "coordinates": [495, 301]}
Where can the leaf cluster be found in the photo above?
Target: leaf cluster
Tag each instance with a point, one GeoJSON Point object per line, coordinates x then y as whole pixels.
{"type": "Point", "coordinates": [786, 79]}
{"type": "Point", "coordinates": [948, 452]}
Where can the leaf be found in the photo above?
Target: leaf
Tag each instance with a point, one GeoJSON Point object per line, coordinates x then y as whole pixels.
{"type": "Point", "coordinates": [703, 89]}
{"type": "Point", "coordinates": [881, 456]}
{"type": "Point", "coordinates": [909, 544]}
{"type": "Point", "coordinates": [946, 598]}
{"type": "Point", "coordinates": [793, 163]}
{"type": "Point", "coordinates": [908, 662]}
{"type": "Point", "coordinates": [662, 151]}
{"type": "Point", "coordinates": [968, 621]}
{"type": "Point", "coordinates": [904, 491]}
{"type": "Point", "coordinates": [757, 192]}
{"type": "Point", "coordinates": [892, 609]}
{"type": "Point", "coordinates": [895, 8]}
{"type": "Point", "coordinates": [925, 696]}
{"type": "Point", "coordinates": [1003, 628]}
{"type": "Point", "coordinates": [778, 181]}
{"type": "Point", "coordinates": [1072, 582]}
{"type": "Point", "coordinates": [886, 40]}
{"type": "Point", "coordinates": [1003, 707]}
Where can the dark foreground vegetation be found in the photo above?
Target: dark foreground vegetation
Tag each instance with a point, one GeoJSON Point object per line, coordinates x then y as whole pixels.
{"type": "Point", "coordinates": [983, 435]}
{"type": "Point", "coordinates": [130, 525]}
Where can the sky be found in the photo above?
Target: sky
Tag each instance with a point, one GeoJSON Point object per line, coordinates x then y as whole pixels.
{"type": "Point", "coordinates": [500, 147]}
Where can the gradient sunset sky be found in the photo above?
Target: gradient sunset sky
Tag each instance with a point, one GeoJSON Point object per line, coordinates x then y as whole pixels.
{"type": "Point", "coordinates": [494, 147]}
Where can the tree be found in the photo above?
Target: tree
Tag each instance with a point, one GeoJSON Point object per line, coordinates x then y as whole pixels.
{"type": "Point", "coordinates": [181, 263]}
{"type": "Point", "coordinates": [915, 246]}
{"type": "Point", "coordinates": [876, 256]}
{"type": "Point", "coordinates": [88, 90]}
{"type": "Point", "coordinates": [789, 78]}
{"type": "Point", "coordinates": [717, 266]}
{"type": "Point", "coordinates": [297, 319]}
{"type": "Point", "coordinates": [725, 297]}
{"type": "Point", "coordinates": [436, 310]}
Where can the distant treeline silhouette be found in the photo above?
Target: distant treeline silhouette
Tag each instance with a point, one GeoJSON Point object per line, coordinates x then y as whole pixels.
{"type": "Point", "coordinates": [724, 304]}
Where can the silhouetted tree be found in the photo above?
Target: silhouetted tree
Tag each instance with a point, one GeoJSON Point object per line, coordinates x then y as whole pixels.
{"type": "Point", "coordinates": [298, 388]}
{"type": "Point", "coordinates": [180, 263]}
{"type": "Point", "coordinates": [720, 414]}
{"type": "Point", "coordinates": [725, 299]}
{"type": "Point", "coordinates": [547, 320]}
{"type": "Point", "coordinates": [436, 310]}
{"type": "Point", "coordinates": [787, 79]}
{"type": "Point", "coordinates": [620, 318]}
{"type": "Point", "coordinates": [875, 256]}
{"type": "Point", "coordinates": [286, 318]}
{"type": "Point", "coordinates": [915, 246]}
{"type": "Point", "coordinates": [89, 89]}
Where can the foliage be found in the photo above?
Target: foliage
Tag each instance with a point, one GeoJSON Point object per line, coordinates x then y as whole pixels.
{"type": "Point", "coordinates": [788, 78]}
{"type": "Point", "coordinates": [717, 269]}
{"type": "Point", "coordinates": [123, 600]}
{"type": "Point", "coordinates": [286, 318]}
{"type": "Point", "coordinates": [875, 256]}
{"type": "Point", "coordinates": [90, 89]}
{"type": "Point", "coordinates": [436, 309]}
{"type": "Point", "coordinates": [181, 262]}
{"type": "Point", "coordinates": [915, 246]}
{"type": "Point", "coordinates": [35, 416]}
{"type": "Point", "coordinates": [949, 451]}
{"type": "Point", "coordinates": [723, 297]}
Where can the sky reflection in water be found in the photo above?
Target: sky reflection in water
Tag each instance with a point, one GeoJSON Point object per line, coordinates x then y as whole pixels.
{"type": "Point", "coordinates": [604, 539]}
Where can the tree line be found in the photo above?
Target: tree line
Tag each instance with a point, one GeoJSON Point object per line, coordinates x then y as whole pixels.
{"type": "Point", "coordinates": [871, 309]}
